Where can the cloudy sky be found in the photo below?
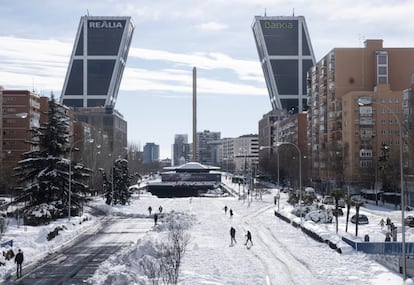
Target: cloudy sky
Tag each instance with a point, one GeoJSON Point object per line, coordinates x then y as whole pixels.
{"type": "Point", "coordinates": [171, 37]}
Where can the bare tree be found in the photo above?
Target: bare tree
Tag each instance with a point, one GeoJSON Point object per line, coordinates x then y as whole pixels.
{"type": "Point", "coordinates": [166, 261]}
{"type": "Point", "coordinates": [172, 251]}
{"type": "Point", "coordinates": [151, 268]}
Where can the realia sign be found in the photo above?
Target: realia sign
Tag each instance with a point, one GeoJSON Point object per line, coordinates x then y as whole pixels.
{"type": "Point", "coordinates": [105, 25]}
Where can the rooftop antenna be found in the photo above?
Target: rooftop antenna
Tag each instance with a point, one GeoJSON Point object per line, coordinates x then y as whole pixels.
{"type": "Point", "coordinates": [33, 86]}
{"type": "Point", "coordinates": [87, 12]}
{"type": "Point", "coordinates": [265, 12]}
{"type": "Point", "coordinates": [293, 12]}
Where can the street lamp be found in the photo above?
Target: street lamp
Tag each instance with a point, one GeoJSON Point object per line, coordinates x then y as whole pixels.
{"type": "Point", "coordinates": [300, 174]}
{"type": "Point", "coordinates": [70, 174]}
{"type": "Point", "coordinates": [363, 102]}
{"type": "Point", "coordinates": [277, 157]}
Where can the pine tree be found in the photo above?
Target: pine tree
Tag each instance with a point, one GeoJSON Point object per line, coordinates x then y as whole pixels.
{"type": "Point", "coordinates": [43, 171]}
{"type": "Point", "coordinates": [106, 187]}
{"type": "Point", "coordinates": [122, 181]}
{"type": "Point", "coordinates": [119, 192]}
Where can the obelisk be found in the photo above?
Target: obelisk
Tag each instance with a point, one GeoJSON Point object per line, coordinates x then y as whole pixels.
{"type": "Point", "coordinates": [194, 114]}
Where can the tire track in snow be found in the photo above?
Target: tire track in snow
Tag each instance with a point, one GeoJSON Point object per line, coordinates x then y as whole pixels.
{"type": "Point", "coordinates": [291, 269]}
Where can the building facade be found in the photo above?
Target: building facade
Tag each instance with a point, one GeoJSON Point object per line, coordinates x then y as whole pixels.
{"type": "Point", "coordinates": [268, 136]}
{"type": "Point", "coordinates": [151, 153]}
{"type": "Point", "coordinates": [110, 125]}
{"type": "Point", "coordinates": [181, 150]}
{"type": "Point", "coordinates": [285, 54]}
{"type": "Point", "coordinates": [293, 130]}
{"type": "Point", "coordinates": [97, 63]}
{"type": "Point", "coordinates": [19, 113]}
{"type": "Point", "coordinates": [346, 138]}
{"type": "Point", "coordinates": [207, 147]}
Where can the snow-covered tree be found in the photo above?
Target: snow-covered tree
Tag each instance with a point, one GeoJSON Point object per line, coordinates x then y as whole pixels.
{"type": "Point", "coordinates": [119, 192]}
{"type": "Point", "coordinates": [43, 172]}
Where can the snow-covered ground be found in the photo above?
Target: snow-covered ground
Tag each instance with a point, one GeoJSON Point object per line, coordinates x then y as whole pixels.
{"type": "Point", "coordinates": [281, 254]}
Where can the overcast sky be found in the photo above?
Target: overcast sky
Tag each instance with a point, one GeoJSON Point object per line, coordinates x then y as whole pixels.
{"type": "Point", "coordinates": [171, 37]}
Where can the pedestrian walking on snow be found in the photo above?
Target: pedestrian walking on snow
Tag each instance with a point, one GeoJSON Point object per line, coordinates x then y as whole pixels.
{"type": "Point", "coordinates": [150, 210]}
{"type": "Point", "coordinates": [19, 260]}
{"type": "Point", "coordinates": [232, 236]}
{"type": "Point", "coordinates": [382, 223]}
{"type": "Point", "coordinates": [225, 209]}
{"type": "Point", "coordinates": [231, 213]}
{"type": "Point", "coordinates": [160, 209]}
{"type": "Point", "coordinates": [155, 219]}
{"type": "Point", "coordinates": [249, 238]}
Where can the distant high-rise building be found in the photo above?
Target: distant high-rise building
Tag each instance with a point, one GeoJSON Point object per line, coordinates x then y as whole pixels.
{"type": "Point", "coordinates": [97, 63]}
{"type": "Point", "coordinates": [285, 54]}
{"type": "Point", "coordinates": [151, 152]}
{"type": "Point", "coordinates": [181, 150]}
{"type": "Point", "coordinates": [207, 147]}
{"type": "Point", "coordinates": [246, 153]}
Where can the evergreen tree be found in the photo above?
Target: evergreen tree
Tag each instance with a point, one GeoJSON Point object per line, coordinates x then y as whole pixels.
{"type": "Point", "coordinates": [122, 181]}
{"type": "Point", "coordinates": [43, 171]}
{"type": "Point", "coordinates": [119, 192]}
{"type": "Point", "coordinates": [106, 187]}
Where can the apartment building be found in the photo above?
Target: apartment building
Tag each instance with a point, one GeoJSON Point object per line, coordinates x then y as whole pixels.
{"type": "Point", "coordinates": [345, 138]}
{"type": "Point", "coordinates": [20, 111]}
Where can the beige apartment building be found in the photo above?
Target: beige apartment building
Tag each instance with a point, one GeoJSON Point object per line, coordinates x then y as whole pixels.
{"type": "Point", "coordinates": [355, 101]}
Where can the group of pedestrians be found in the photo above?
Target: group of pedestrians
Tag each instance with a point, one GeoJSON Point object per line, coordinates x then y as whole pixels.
{"type": "Point", "coordinates": [391, 229]}
{"type": "Point", "coordinates": [248, 243]}
{"type": "Point", "coordinates": [230, 211]}
{"type": "Point", "coordinates": [155, 214]}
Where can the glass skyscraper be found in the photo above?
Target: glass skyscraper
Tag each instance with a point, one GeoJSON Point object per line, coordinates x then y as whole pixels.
{"type": "Point", "coordinates": [286, 55]}
{"type": "Point", "coordinates": [97, 63]}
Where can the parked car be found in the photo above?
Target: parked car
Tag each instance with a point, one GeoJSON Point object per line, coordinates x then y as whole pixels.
{"type": "Point", "coordinates": [319, 216]}
{"type": "Point", "coordinates": [409, 221]}
{"type": "Point", "coordinates": [362, 219]}
{"type": "Point", "coordinates": [304, 209]}
{"type": "Point", "coordinates": [341, 203]}
{"type": "Point", "coordinates": [328, 200]}
{"type": "Point", "coordinates": [338, 212]}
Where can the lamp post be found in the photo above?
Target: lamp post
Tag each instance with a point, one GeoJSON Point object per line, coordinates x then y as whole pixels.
{"type": "Point", "coordinates": [362, 102]}
{"type": "Point", "coordinates": [300, 170]}
{"type": "Point", "coordinates": [277, 157]}
{"type": "Point", "coordinates": [70, 175]}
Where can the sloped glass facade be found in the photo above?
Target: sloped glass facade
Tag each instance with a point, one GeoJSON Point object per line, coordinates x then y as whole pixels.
{"type": "Point", "coordinates": [285, 54]}
{"type": "Point", "coordinates": [97, 62]}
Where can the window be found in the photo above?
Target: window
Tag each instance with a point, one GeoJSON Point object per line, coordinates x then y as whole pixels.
{"type": "Point", "coordinates": [382, 70]}
{"type": "Point", "coordinates": [382, 58]}
{"type": "Point", "coordinates": [382, 67]}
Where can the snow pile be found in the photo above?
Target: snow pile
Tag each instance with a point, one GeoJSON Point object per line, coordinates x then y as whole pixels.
{"type": "Point", "coordinates": [141, 263]}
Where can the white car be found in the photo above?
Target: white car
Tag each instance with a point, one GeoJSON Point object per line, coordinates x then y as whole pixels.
{"type": "Point", "coordinates": [319, 216]}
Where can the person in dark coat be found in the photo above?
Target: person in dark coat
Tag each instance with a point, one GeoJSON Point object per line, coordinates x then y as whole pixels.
{"type": "Point", "coordinates": [225, 209]}
{"type": "Point", "coordinates": [160, 209]}
{"type": "Point", "coordinates": [155, 219]}
{"type": "Point", "coordinates": [232, 235]}
{"type": "Point", "coordinates": [150, 210]}
{"type": "Point", "coordinates": [249, 238]}
{"type": "Point", "coordinates": [231, 213]}
{"type": "Point", "coordinates": [19, 261]}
